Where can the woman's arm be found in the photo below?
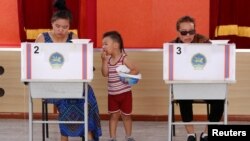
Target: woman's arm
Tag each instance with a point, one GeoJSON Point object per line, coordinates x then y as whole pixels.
{"type": "Point", "coordinates": [40, 38]}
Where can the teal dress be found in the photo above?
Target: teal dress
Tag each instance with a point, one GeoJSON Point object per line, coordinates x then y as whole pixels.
{"type": "Point", "coordinates": [73, 110]}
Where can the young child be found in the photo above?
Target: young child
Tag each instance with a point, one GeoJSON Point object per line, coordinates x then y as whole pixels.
{"type": "Point", "coordinates": [119, 93]}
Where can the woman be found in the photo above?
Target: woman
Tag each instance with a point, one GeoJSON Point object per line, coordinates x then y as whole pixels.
{"type": "Point", "coordinates": [186, 32]}
{"type": "Point", "coordinates": [60, 22]}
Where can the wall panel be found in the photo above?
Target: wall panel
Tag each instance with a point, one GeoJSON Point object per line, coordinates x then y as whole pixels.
{"type": "Point", "coordinates": [150, 94]}
{"type": "Point", "coordinates": [148, 23]}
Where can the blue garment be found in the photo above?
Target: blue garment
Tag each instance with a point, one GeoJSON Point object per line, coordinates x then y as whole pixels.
{"type": "Point", "coordinates": [73, 110]}
{"type": "Point", "coordinates": [47, 38]}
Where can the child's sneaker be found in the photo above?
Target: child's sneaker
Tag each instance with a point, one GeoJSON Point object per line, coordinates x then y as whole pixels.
{"type": "Point", "coordinates": [111, 139]}
{"type": "Point", "coordinates": [130, 139]}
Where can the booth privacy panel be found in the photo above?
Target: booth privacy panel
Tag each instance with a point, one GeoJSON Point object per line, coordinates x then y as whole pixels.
{"type": "Point", "coordinates": [56, 90]}
{"type": "Point", "coordinates": [56, 62]}
{"type": "Point", "coordinates": [199, 62]}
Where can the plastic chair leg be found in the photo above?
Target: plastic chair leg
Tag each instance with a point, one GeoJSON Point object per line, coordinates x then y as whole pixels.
{"type": "Point", "coordinates": [45, 126]}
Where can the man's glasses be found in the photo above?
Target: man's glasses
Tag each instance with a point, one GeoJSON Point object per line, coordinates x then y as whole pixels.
{"type": "Point", "coordinates": [184, 33]}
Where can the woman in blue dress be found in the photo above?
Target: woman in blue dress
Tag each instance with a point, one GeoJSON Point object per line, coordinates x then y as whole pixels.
{"type": "Point", "coordinates": [71, 109]}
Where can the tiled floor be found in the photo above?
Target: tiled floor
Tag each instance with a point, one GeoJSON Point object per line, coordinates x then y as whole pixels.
{"type": "Point", "coordinates": [17, 130]}
{"type": "Point", "coordinates": [13, 130]}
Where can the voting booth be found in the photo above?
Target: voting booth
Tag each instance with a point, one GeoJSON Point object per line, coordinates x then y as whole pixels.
{"type": "Point", "coordinates": [57, 70]}
{"type": "Point", "coordinates": [198, 72]}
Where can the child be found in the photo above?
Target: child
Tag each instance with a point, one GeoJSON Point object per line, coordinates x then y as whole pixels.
{"type": "Point", "coordinates": [119, 93]}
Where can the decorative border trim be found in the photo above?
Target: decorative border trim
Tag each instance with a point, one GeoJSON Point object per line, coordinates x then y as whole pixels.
{"type": "Point", "coordinates": [225, 30]}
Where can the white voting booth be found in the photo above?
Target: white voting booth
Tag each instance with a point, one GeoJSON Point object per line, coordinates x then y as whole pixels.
{"type": "Point", "coordinates": [57, 70]}
{"type": "Point", "coordinates": [198, 71]}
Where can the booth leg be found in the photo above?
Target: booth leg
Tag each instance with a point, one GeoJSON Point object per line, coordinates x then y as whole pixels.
{"type": "Point", "coordinates": [225, 107]}
{"type": "Point", "coordinates": [225, 111]}
{"type": "Point", "coordinates": [86, 111]}
{"type": "Point", "coordinates": [30, 118]}
{"type": "Point", "coordinates": [170, 114]}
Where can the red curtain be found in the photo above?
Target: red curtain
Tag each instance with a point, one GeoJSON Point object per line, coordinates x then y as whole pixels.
{"type": "Point", "coordinates": [230, 19]}
{"type": "Point", "coordinates": [87, 20]}
{"type": "Point", "coordinates": [36, 14]}
{"type": "Point", "coordinates": [22, 33]}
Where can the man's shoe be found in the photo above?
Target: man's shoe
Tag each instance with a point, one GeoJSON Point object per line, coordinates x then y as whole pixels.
{"type": "Point", "coordinates": [191, 138]}
{"type": "Point", "coordinates": [205, 138]}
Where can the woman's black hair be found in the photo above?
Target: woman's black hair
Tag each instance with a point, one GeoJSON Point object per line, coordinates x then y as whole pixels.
{"type": "Point", "coordinates": [115, 36]}
{"type": "Point", "coordinates": [62, 11]}
{"type": "Point", "coordinates": [60, 4]}
{"type": "Point", "coordinates": [184, 19]}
